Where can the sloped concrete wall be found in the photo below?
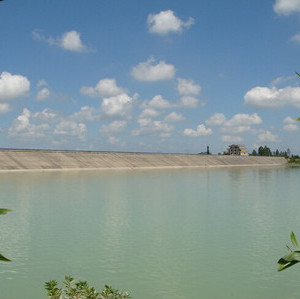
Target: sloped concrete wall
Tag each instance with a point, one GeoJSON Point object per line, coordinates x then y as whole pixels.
{"type": "Point", "coordinates": [44, 159]}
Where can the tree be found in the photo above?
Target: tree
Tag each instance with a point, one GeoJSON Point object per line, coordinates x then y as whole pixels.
{"type": "Point", "coordinates": [264, 151]}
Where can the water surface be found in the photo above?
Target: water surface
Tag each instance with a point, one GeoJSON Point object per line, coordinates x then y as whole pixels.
{"type": "Point", "coordinates": [201, 233]}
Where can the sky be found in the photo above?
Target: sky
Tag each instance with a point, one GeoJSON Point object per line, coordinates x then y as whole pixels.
{"type": "Point", "coordinates": [166, 76]}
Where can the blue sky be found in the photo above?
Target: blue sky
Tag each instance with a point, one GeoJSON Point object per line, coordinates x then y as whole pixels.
{"type": "Point", "coordinates": [154, 76]}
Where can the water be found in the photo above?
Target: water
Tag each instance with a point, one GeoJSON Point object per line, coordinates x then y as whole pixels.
{"type": "Point", "coordinates": [211, 233]}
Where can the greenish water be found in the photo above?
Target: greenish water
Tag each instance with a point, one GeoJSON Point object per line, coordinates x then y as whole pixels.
{"type": "Point", "coordinates": [211, 233]}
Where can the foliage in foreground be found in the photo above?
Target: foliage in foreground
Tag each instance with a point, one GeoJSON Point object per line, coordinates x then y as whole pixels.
{"type": "Point", "coordinates": [81, 290]}
{"type": "Point", "coordinates": [3, 258]}
{"type": "Point", "coordinates": [292, 258]}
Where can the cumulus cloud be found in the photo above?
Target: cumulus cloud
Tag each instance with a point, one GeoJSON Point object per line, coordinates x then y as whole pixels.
{"type": "Point", "coordinates": [70, 128]}
{"type": "Point", "coordinates": [291, 124]}
{"type": "Point", "coordinates": [200, 131]}
{"type": "Point", "coordinates": [158, 102]}
{"type": "Point", "coordinates": [115, 141]}
{"type": "Point", "coordinates": [239, 123]}
{"type": "Point", "coordinates": [296, 38]}
{"type": "Point", "coordinates": [47, 115]}
{"type": "Point", "coordinates": [43, 94]}
{"type": "Point", "coordinates": [267, 136]}
{"type": "Point", "coordinates": [281, 80]}
{"type": "Point", "coordinates": [104, 88]}
{"type": "Point", "coordinates": [231, 139]}
{"type": "Point", "coordinates": [291, 128]}
{"type": "Point", "coordinates": [174, 117]}
{"type": "Point", "coordinates": [4, 108]}
{"type": "Point", "coordinates": [188, 87]}
{"type": "Point", "coordinates": [23, 128]}
{"type": "Point", "coordinates": [150, 127]}
{"type": "Point", "coordinates": [13, 86]}
{"type": "Point", "coordinates": [243, 119]}
{"type": "Point", "coordinates": [41, 83]}
{"type": "Point", "coordinates": [116, 126]}
{"type": "Point", "coordinates": [167, 22]}
{"type": "Point", "coordinates": [149, 71]}
{"type": "Point", "coordinates": [289, 120]}
{"type": "Point", "coordinates": [265, 97]}
{"type": "Point", "coordinates": [188, 102]}
{"type": "Point", "coordinates": [86, 113]}
{"type": "Point", "coordinates": [149, 112]}
{"type": "Point", "coordinates": [70, 40]}
{"type": "Point", "coordinates": [118, 106]}
{"type": "Point", "coordinates": [286, 7]}
{"type": "Point", "coordinates": [216, 120]}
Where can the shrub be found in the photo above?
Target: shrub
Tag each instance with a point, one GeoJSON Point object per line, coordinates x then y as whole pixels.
{"type": "Point", "coordinates": [81, 290]}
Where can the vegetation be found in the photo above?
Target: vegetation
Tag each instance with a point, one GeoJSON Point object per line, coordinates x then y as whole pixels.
{"type": "Point", "coordinates": [81, 290]}
{"type": "Point", "coordinates": [3, 258]}
{"type": "Point", "coordinates": [292, 258]}
{"type": "Point", "coordinates": [266, 151]}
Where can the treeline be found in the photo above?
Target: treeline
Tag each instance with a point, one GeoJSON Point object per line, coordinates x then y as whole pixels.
{"type": "Point", "coordinates": [266, 151]}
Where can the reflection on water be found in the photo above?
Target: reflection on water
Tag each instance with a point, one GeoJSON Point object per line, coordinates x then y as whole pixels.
{"type": "Point", "coordinates": [211, 233]}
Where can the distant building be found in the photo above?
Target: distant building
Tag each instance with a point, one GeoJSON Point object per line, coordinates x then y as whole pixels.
{"type": "Point", "coordinates": [237, 150]}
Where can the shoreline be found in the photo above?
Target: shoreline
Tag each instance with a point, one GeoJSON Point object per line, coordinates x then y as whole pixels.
{"type": "Point", "coordinates": [16, 160]}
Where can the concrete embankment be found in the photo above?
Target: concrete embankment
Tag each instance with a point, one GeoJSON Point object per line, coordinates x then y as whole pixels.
{"type": "Point", "coordinates": [64, 160]}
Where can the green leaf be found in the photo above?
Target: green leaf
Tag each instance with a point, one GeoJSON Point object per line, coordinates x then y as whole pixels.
{"type": "Point", "coordinates": [298, 119]}
{"type": "Point", "coordinates": [297, 74]}
{"type": "Point", "coordinates": [4, 211]}
{"type": "Point", "coordinates": [294, 240]}
{"type": "Point", "coordinates": [289, 260]}
{"type": "Point", "coordinates": [4, 259]}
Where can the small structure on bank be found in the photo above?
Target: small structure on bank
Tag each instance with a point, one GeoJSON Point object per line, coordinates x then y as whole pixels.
{"type": "Point", "coordinates": [238, 150]}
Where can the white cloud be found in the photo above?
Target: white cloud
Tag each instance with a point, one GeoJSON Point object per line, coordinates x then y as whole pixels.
{"type": "Point", "coordinates": [115, 141]}
{"type": "Point", "coordinates": [70, 40]}
{"type": "Point", "coordinates": [286, 7]}
{"type": "Point", "coordinates": [188, 87]}
{"type": "Point", "coordinates": [267, 136]}
{"type": "Point", "coordinates": [188, 102]}
{"type": "Point", "coordinates": [243, 119]}
{"type": "Point", "coordinates": [114, 127]}
{"type": "Point", "coordinates": [47, 115]}
{"type": "Point", "coordinates": [216, 120]}
{"type": "Point", "coordinates": [23, 128]}
{"type": "Point", "coordinates": [118, 106]}
{"type": "Point", "coordinates": [239, 123]}
{"type": "Point", "coordinates": [296, 38]}
{"type": "Point", "coordinates": [4, 108]}
{"type": "Point", "coordinates": [149, 112]}
{"type": "Point", "coordinates": [43, 94]}
{"type": "Point", "coordinates": [265, 97]}
{"type": "Point", "coordinates": [200, 131]}
{"type": "Point", "coordinates": [235, 129]}
{"type": "Point", "coordinates": [71, 129]}
{"type": "Point", "coordinates": [281, 80]}
{"type": "Point", "coordinates": [13, 86]}
{"type": "Point", "coordinates": [289, 120]}
{"type": "Point", "coordinates": [174, 117]}
{"type": "Point", "coordinates": [166, 22]}
{"type": "Point", "coordinates": [291, 128]}
{"type": "Point", "coordinates": [231, 139]}
{"type": "Point", "coordinates": [104, 88]}
{"type": "Point", "coordinates": [150, 127]}
{"type": "Point", "coordinates": [158, 102]}
{"type": "Point", "coordinates": [86, 113]}
{"type": "Point", "coordinates": [41, 83]}
{"type": "Point", "coordinates": [148, 71]}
